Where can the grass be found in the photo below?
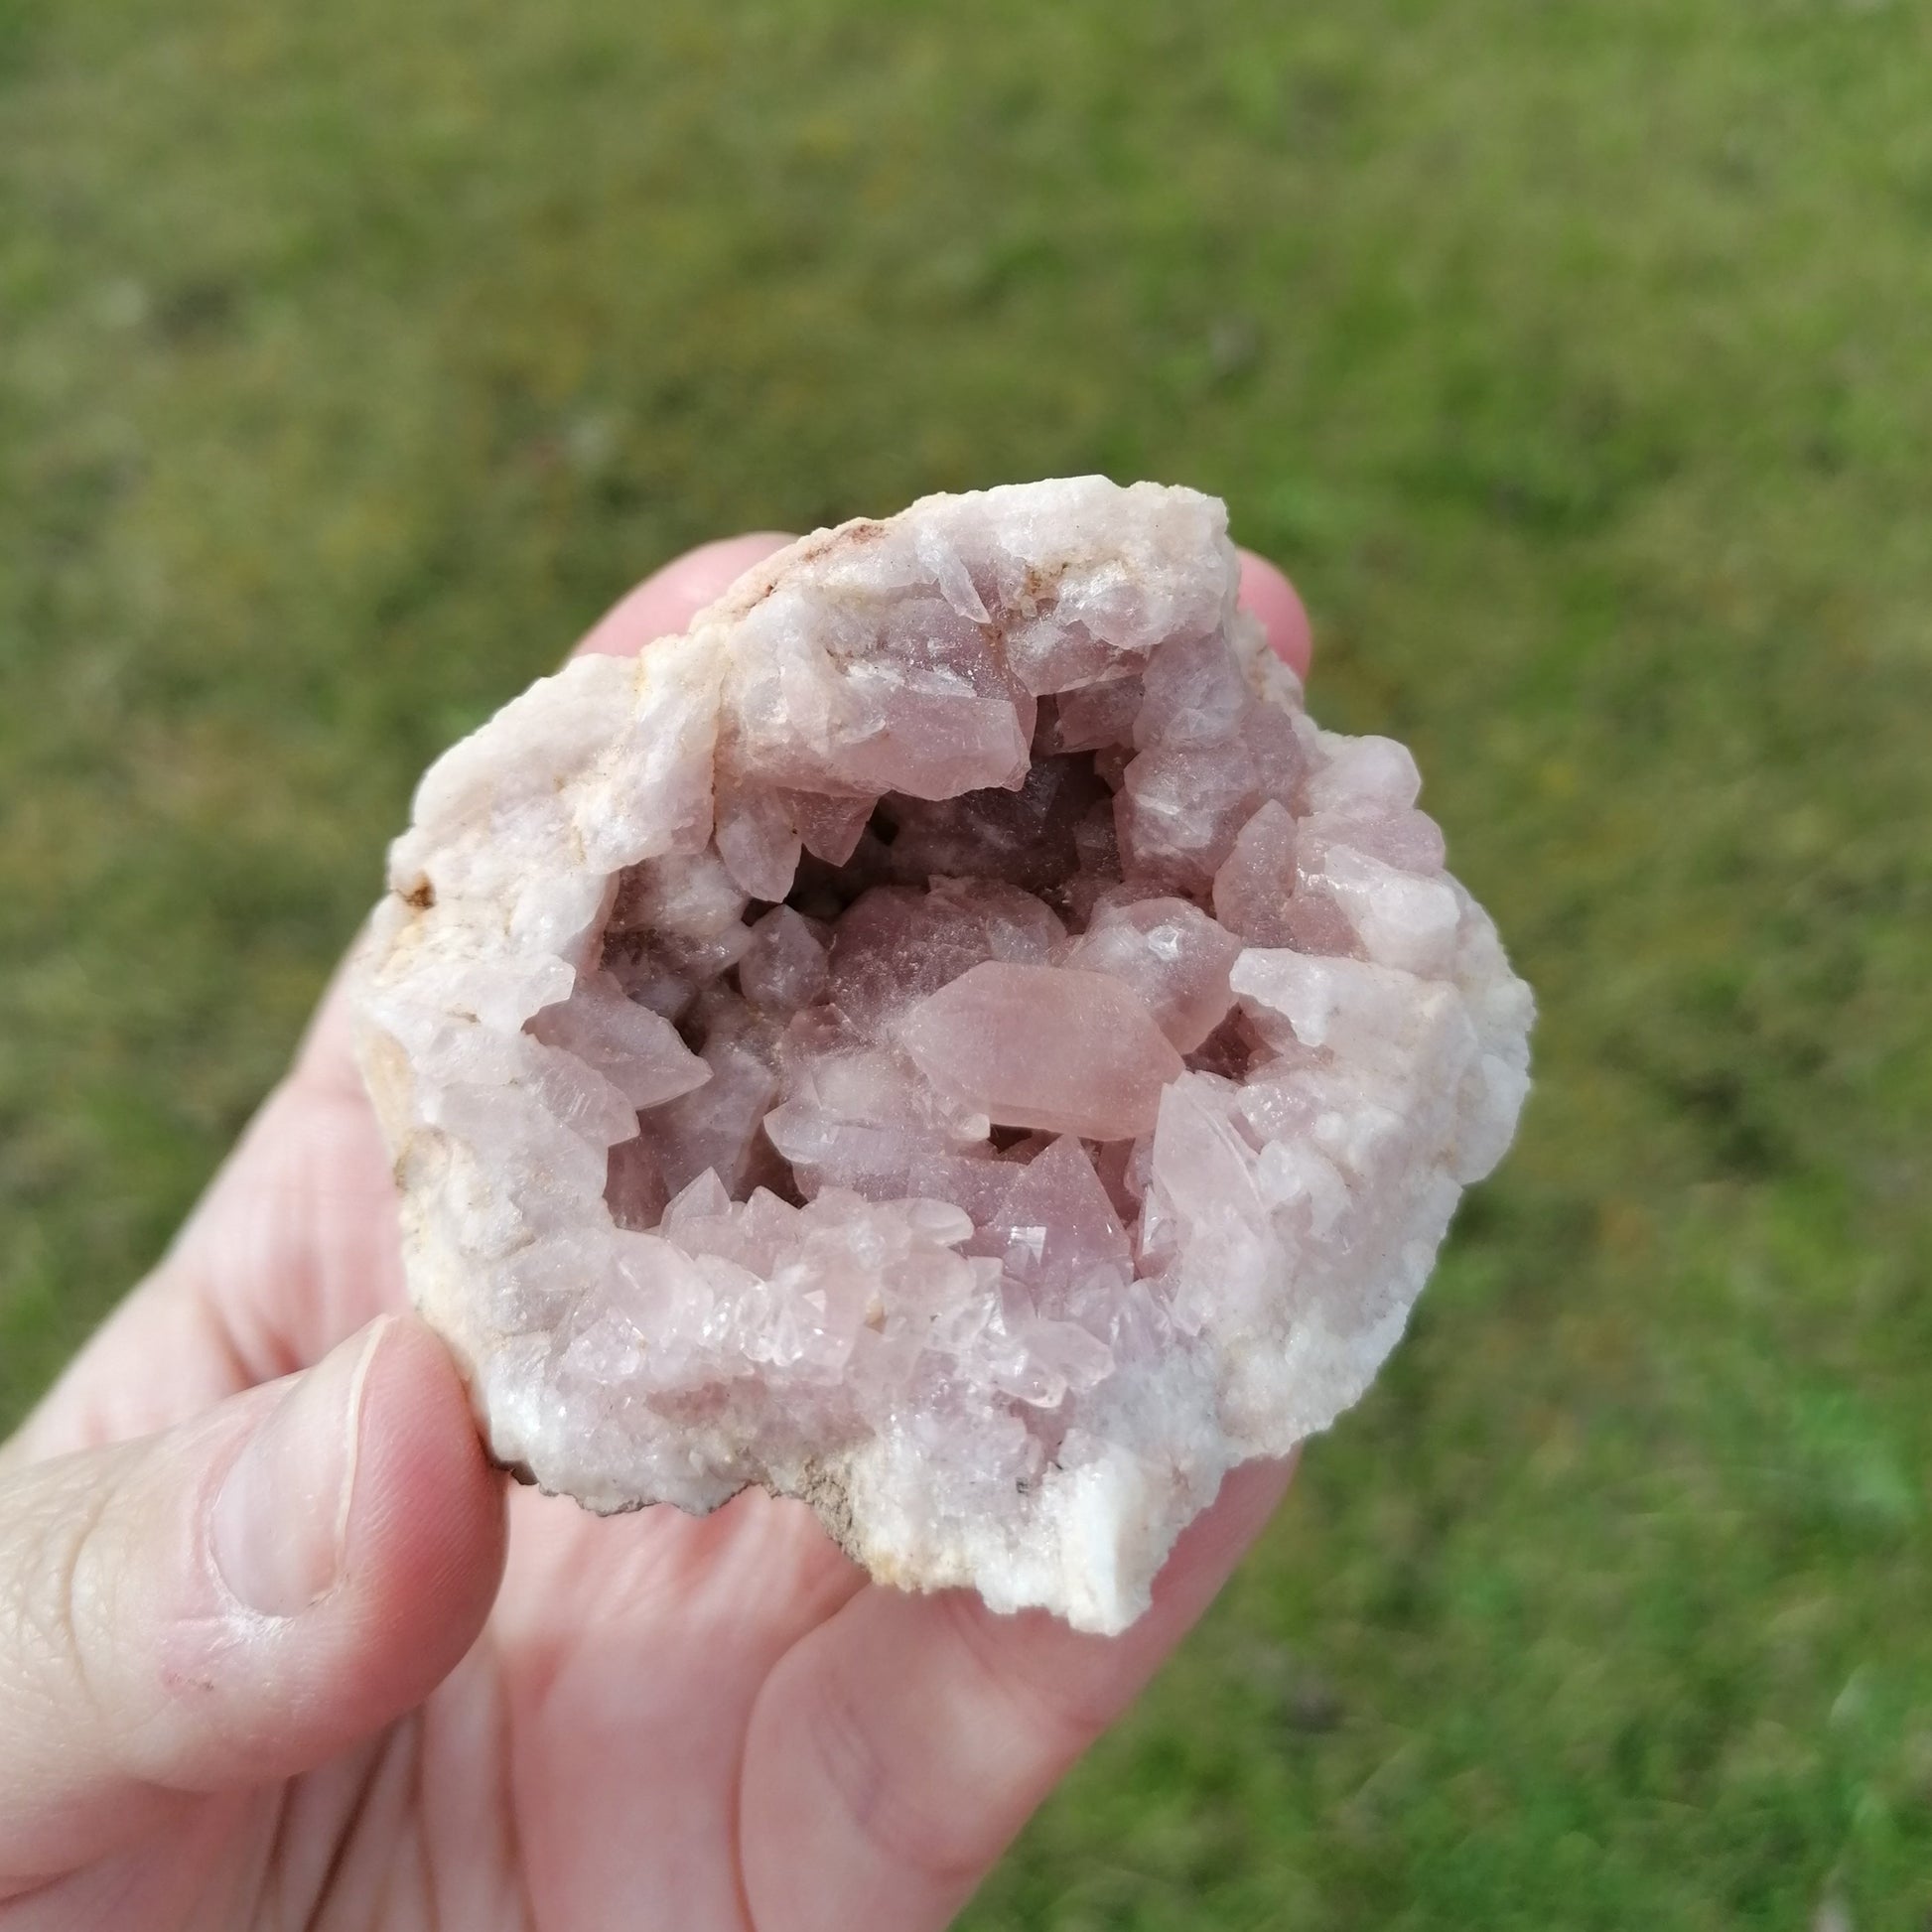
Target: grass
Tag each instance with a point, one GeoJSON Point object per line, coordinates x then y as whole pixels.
{"type": "Point", "coordinates": [351, 358]}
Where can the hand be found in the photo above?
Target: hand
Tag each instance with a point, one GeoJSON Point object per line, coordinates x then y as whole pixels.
{"type": "Point", "coordinates": [276, 1650]}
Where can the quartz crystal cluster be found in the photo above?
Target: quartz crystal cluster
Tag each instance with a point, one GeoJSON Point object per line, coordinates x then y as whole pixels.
{"type": "Point", "coordinates": [946, 1038]}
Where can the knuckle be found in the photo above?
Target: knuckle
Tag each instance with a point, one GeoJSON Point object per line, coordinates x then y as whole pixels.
{"type": "Point", "coordinates": [56, 1593]}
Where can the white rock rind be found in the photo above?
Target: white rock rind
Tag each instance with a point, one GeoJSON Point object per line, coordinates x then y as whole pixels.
{"type": "Point", "coordinates": [1289, 1218]}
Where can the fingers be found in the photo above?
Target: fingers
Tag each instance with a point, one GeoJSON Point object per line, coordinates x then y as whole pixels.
{"type": "Point", "coordinates": [896, 1750]}
{"type": "Point", "coordinates": [1273, 598]}
{"type": "Point", "coordinates": [665, 602]}
{"type": "Point", "coordinates": [235, 1600]}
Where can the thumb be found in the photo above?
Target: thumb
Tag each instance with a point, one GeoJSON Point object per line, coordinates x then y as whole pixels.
{"type": "Point", "coordinates": [237, 1600]}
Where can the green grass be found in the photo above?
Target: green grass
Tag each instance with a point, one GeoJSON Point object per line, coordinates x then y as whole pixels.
{"type": "Point", "coordinates": [1574, 357]}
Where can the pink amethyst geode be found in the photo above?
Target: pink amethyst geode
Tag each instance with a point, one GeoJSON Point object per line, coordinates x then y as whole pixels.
{"type": "Point", "coordinates": [946, 1038]}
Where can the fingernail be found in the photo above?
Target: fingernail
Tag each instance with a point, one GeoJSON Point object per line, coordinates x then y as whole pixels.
{"type": "Point", "coordinates": [280, 1521]}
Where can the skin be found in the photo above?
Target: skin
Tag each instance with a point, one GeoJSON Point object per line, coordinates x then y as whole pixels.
{"type": "Point", "coordinates": [443, 1701]}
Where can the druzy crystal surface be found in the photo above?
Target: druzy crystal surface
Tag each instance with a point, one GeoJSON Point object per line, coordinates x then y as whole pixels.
{"type": "Point", "coordinates": [948, 1038]}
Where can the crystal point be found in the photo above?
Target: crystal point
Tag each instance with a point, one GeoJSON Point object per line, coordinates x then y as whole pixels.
{"type": "Point", "coordinates": [1045, 1046]}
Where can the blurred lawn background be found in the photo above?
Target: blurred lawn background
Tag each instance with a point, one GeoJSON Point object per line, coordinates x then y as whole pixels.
{"type": "Point", "coordinates": [1573, 358]}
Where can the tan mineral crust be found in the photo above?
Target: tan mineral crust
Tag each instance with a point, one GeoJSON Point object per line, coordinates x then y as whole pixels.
{"type": "Point", "coordinates": [948, 1038]}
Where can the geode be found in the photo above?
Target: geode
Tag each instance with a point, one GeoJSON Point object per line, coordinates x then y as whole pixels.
{"type": "Point", "coordinates": [946, 1038]}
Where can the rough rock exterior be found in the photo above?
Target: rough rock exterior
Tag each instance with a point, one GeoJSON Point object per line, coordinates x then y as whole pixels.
{"type": "Point", "coordinates": [948, 1038]}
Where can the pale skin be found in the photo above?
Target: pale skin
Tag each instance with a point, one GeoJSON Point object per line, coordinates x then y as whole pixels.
{"type": "Point", "coordinates": [279, 1649]}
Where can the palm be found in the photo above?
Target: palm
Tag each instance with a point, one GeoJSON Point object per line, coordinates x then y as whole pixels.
{"type": "Point", "coordinates": [631, 1712]}
{"type": "Point", "coordinates": [664, 1721]}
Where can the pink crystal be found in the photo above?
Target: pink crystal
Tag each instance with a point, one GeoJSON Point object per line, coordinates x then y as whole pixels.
{"type": "Point", "coordinates": [828, 827]}
{"type": "Point", "coordinates": [636, 1049]}
{"type": "Point", "coordinates": [1053, 1047]}
{"type": "Point", "coordinates": [1097, 715]}
{"type": "Point", "coordinates": [1171, 954]}
{"type": "Point", "coordinates": [1257, 879]}
{"type": "Point", "coordinates": [716, 1125]}
{"type": "Point", "coordinates": [1054, 1228]}
{"type": "Point", "coordinates": [895, 944]}
{"type": "Point", "coordinates": [756, 841]}
{"type": "Point", "coordinates": [675, 925]}
{"type": "Point", "coordinates": [783, 967]}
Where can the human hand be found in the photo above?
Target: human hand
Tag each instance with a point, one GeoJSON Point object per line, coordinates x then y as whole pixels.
{"type": "Point", "coordinates": [275, 1650]}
